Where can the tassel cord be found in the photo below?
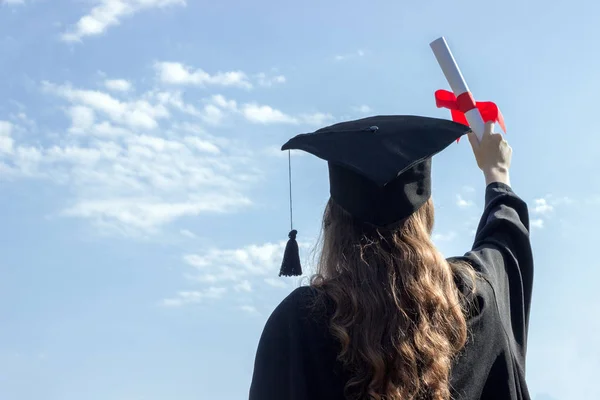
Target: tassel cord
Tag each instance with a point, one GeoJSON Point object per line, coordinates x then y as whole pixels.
{"type": "Point", "coordinates": [290, 181]}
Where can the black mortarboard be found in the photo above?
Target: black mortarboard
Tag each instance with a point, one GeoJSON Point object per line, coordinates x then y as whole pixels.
{"type": "Point", "coordinates": [380, 167]}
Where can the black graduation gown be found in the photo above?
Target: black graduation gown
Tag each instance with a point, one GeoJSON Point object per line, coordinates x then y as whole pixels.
{"type": "Point", "coordinates": [296, 357]}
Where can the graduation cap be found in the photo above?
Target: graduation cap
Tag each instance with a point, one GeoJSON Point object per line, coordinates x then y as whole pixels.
{"type": "Point", "coordinates": [379, 167]}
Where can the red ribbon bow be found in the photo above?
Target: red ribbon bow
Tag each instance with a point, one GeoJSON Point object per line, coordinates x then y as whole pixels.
{"type": "Point", "coordinates": [465, 102]}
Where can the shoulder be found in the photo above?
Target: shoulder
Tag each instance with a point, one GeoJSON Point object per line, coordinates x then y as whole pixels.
{"type": "Point", "coordinates": [297, 306]}
{"type": "Point", "coordinates": [298, 300]}
{"type": "Point", "coordinates": [302, 315]}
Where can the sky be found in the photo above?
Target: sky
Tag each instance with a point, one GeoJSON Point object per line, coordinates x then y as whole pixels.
{"type": "Point", "coordinates": [144, 199]}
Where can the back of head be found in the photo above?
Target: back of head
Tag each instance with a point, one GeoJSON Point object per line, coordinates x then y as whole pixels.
{"type": "Point", "coordinates": [398, 314]}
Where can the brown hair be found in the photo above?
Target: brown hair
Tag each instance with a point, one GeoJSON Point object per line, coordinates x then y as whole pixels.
{"type": "Point", "coordinates": [398, 316]}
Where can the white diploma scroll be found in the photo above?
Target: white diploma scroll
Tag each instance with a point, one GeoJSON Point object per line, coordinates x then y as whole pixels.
{"type": "Point", "coordinates": [457, 82]}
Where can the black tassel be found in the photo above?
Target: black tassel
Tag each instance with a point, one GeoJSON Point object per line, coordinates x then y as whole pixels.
{"type": "Point", "coordinates": [290, 266]}
{"type": "Point", "coordinates": [291, 257]}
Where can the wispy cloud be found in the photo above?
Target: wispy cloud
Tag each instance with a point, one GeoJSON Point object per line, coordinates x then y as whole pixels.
{"type": "Point", "coordinates": [268, 81]}
{"type": "Point", "coordinates": [134, 161]}
{"type": "Point", "coordinates": [463, 203]}
{"type": "Point", "coordinates": [123, 173]}
{"type": "Point", "coordinates": [198, 296]}
{"type": "Point", "coordinates": [235, 265]}
{"type": "Point", "coordinates": [240, 269]}
{"type": "Point", "coordinates": [176, 73]}
{"type": "Point", "coordinates": [363, 109]}
{"type": "Point", "coordinates": [263, 114]}
{"type": "Point", "coordinates": [443, 237]}
{"type": "Point", "coordinates": [179, 74]}
{"type": "Point", "coordinates": [243, 286]}
{"type": "Point", "coordinates": [188, 234]}
{"type": "Point", "coordinates": [217, 108]}
{"type": "Point", "coordinates": [12, 2]}
{"type": "Point", "coordinates": [249, 309]}
{"type": "Point", "coordinates": [316, 119]}
{"type": "Point", "coordinates": [136, 113]}
{"type": "Point", "coordinates": [118, 85]}
{"type": "Point", "coordinates": [537, 223]}
{"type": "Point", "coordinates": [109, 13]}
{"type": "Point", "coordinates": [348, 56]}
{"type": "Point", "coordinates": [541, 206]}
{"type": "Point", "coordinates": [6, 141]}
{"type": "Point", "coordinates": [278, 283]}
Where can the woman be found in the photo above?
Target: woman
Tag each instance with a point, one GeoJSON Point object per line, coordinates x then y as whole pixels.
{"type": "Point", "coordinates": [386, 316]}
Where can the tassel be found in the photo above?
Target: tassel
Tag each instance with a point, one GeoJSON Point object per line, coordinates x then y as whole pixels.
{"type": "Point", "coordinates": [290, 265]}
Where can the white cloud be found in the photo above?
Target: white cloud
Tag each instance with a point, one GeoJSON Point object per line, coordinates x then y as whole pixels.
{"type": "Point", "coordinates": [218, 108]}
{"type": "Point", "coordinates": [133, 164]}
{"type": "Point", "coordinates": [109, 13]}
{"type": "Point", "coordinates": [6, 141]}
{"type": "Point", "coordinates": [268, 81]}
{"type": "Point", "coordinates": [462, 203]}
{"type": "Point", "coordinates": [198, 296]}
{"type": "Point", "coordinates": [135, 114]}
{"type": "Point", "coordinates": [176, 73]}
{"type": "Point", "coordinates": [196, 261]}
{"type": "Point", "coordinates": [12, 2]}
{"type": "Point", "coordinates": [262, 114]}
{"type": "Point", "coordinates": [344, 57]}
{"type": "Point", "coordinates": [541, 206]}
{"type": "Point", "coordinates": [204, 146]}
{"type": "Point", "coordinates": [249, 309]}
{"type": "Point", "coordinates": [122, 173]}
{"type": "Point", "coordinates": [221, 101]}
{"type": "Point", "coordinates": [218, 265]}
{"type": "Point", "coordinates": [317, 119]}
{"type": "Point", "coordinates": [443, 237]}
{"type": "Point", "coordinates": [118, 85]}
{"type": "Point", "coordinates": [363, 109]}
{"type": "Point", "coordinates": [468, 189]}
{"type": "Point", "coordinates": [278, 283]}
{"type": "Point", "coordinates": [188, 233]}
{"type": "Point", "coordinates": [179, 74]}
{"type": "Point", "coordinates": [537, 223]}
{"type": "Point", "coordinates": [212, 115]}
{"type": "Point", "coordinates": [147, 214]}
{"type": "Point", "coordinates": [243, 286]}
{"type": "Point", "coordinates": [241, 269]}
{"type": "Point", "coordinates": [82, 119]}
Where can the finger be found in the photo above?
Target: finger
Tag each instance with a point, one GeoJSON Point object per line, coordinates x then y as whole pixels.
{"type": "Point", "coordinates": [473, 140]}
{"type": "Point", "coordinates": [496, 137]}
{"type": "Point", "coordinates": [489, 128]}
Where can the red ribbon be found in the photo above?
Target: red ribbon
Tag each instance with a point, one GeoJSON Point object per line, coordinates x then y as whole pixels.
{"type": "Point", "coordinates": [465, 102]}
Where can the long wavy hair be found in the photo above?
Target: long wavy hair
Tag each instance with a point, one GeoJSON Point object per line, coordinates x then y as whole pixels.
{"type": "Point", "coordinates": [398, 315]}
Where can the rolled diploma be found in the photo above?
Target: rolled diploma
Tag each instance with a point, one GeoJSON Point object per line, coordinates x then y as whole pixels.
{"type": "Point", "coordinates": [457, 82]}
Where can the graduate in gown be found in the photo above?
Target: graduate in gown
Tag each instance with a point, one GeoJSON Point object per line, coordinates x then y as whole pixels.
{"type": "Point", "coordinates": [386, 316]}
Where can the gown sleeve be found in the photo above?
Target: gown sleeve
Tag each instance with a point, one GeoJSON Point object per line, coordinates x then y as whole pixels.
{"type": "Point", "coordinates": [503, 256]}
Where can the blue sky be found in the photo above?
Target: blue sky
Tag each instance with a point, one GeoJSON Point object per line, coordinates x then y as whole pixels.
{"type": "Point", "coordinates": [143, 200]}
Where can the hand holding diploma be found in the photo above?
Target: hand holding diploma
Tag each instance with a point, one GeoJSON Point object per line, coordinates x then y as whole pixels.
{"type": "Point", "coordinates": [462, 105]}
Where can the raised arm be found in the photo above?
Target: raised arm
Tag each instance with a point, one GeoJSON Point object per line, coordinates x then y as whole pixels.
{"type": "Point", "coordinates": [502, 250]}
